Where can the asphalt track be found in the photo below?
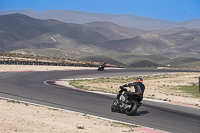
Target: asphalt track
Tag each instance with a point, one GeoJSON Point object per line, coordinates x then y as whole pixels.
{"type": "Point", "coordinates": [30, 87]}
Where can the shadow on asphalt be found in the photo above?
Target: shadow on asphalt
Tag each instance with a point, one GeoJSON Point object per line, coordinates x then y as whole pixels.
{"type": "Point", "coordinates": [138, 113]}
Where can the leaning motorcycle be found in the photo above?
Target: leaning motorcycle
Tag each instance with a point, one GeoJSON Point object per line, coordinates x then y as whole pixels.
{"type": "Point", "coordinates": [100, 68]}
{"type": "Point", "coordinates": [129, 107]}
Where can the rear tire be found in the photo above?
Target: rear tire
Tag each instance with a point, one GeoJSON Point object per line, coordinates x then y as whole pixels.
{"type": "Point", "coordinates": [133, 109]}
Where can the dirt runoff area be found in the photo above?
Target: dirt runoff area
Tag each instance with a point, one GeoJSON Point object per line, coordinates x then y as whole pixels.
{"type": "Point", "coordinates": [19, 117]}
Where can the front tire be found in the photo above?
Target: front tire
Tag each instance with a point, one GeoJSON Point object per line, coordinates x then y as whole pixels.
{"type": "Point", "coordinates": [114, 107]}
{"type": "Point", "coordinates": [133, 109]}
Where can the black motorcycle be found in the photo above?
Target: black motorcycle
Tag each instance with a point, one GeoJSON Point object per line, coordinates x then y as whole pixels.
{"type": "Point", "coordinates": [129, 107]}
{"type": "Point", "coordinates": [100, 68]}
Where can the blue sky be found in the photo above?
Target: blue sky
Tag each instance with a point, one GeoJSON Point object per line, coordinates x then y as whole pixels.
{"type": "Point", "coordinates": [170, 10]}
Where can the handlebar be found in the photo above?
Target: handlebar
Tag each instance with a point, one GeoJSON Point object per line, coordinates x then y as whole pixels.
{"type": "Point", "coordinates": [121, 87]}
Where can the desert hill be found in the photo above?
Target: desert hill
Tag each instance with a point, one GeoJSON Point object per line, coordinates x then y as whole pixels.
{"type": "Point", "coordinates": [124, 20]}
{"type": "Point", "coordinates": [23, 34]}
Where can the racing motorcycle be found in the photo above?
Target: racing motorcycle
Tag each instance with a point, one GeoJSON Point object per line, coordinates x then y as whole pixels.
{"type": "Point", "coordinates": [100, 68]}
{"type": "Point", "coordinates": [129, 107]}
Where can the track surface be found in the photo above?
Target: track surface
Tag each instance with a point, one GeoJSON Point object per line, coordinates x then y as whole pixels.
{"type": "Point", "coordinates": [29, 86]}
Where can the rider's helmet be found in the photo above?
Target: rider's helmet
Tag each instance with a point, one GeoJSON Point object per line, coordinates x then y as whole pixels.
{"type": "Point", "coordinates": [139, 79]}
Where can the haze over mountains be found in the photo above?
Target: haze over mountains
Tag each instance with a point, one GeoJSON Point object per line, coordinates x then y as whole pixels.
{"type": "Point", "coordinates": [21, 33]}
{"type": "Point", "coordinates": [124, 20]}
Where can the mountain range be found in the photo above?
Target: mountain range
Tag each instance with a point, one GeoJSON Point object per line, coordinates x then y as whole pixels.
{"type": "Point", "coordinates": [124, 20]}
{"type": "Point", "coordinates": [96, 40]}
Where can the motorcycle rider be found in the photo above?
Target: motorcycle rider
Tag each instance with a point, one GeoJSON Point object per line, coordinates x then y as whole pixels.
{"type": "Point", "coordinates": [139, 89]}
{"type": "Point", "coordinates": [104, 64]}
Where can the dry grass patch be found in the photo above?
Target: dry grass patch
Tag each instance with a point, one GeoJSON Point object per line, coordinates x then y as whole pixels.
{"type": "Point", "coordinates": [167, 87]}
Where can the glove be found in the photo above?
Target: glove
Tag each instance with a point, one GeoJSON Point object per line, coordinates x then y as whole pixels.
{"type": "Point", "coordinates": [126, 85]}
{"type": "Point", "coordinates": [132, 84]}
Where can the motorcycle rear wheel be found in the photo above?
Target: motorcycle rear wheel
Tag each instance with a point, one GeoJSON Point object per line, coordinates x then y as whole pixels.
{"type": "Point", "coordinates": [133, 109]}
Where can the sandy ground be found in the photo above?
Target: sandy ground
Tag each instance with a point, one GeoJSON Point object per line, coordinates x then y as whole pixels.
{"type": "Point", "coordinates": [19, 117]}
{"type": "Point", "coordinates": [25, 118]}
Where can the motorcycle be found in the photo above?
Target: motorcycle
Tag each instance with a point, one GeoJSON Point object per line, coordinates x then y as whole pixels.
{"type": "Point", "coordinates": [130, 107]}
{"type": "Point", "coordinates": [100, 68]}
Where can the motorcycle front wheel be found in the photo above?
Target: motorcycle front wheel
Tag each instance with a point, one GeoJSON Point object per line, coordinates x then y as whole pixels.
{"type": "Point", "coordinates": [114, 106]}
{"type": "Point", "coordinates": [132, 110]}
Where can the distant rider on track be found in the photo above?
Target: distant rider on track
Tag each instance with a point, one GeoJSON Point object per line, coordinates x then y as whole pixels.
{"type": "Point", "coordinates": [101, 67]}
{"type": "Point", "coordinates": [104, 64]}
